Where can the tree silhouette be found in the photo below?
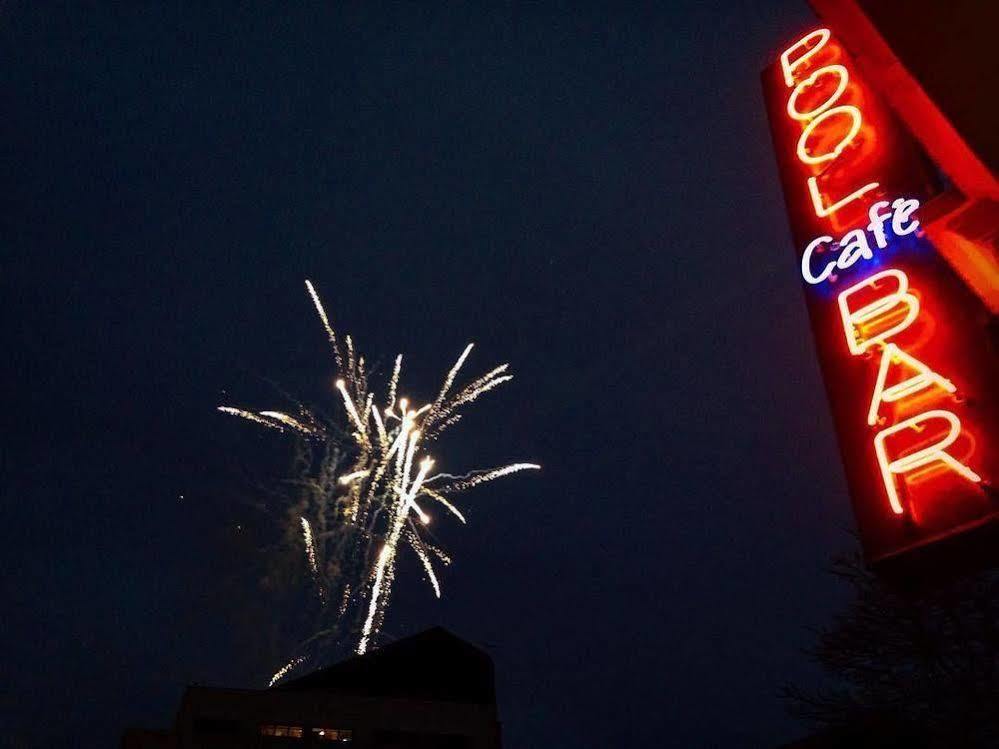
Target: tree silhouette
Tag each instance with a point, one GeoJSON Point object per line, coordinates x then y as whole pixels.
{"type": "Point", "coordinates": [908, 668]}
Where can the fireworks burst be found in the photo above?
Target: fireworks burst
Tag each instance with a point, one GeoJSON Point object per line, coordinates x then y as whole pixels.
{"type": "Point", "coordinates": [363, 481]}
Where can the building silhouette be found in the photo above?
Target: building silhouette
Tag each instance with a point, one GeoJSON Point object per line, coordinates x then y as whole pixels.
{"type": "Point", "coordinates": [431, 690]}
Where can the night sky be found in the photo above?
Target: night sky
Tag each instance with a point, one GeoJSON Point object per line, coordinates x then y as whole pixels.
{"type": "Point", "coordinates": [589, 194]}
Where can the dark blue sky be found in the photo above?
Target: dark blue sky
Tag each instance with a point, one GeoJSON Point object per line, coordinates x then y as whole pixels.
{"type": "Point", "coordinates": [587, 193]}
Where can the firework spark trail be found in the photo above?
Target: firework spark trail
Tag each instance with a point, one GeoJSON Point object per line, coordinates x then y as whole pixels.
{"type": "Point", "coordinates": [417, 546]}
{"type": "Point", "coordinates": [351, 476]}
{"type": "Point", "coordinates": [448, 382]}
{"type": "Point", "coordinates": [285, 669]}
{"type": "Point", "coordinates": [444, 501]}
{"type": "Point", "coordinates": [394, 382]}
{"type": "Point", "coordinates": [443, 425]}
{"type": "Point", "coordinates": [310, 547]}
{"type": "Point", "coordinates": [351, 408]}
{"type": "Point", "coordinates": [474, 478]}
{"type": "Point", "coordinates": [250, 416]}
{"type": "Point", "coordinates": [310, 553]}
{"type": "Point", "coordinates": [484, 388]}
{"type": "Point", "coordinates": [407, 466]}
{"type": "Point", "coordinates": [387, 554]}
{"type": "Point", "coordinates": [424, 517]}
{"type": "Point", "coordinates": [363, 495]}
{"type": "Point", "coordinates": [474, 389]}
{"type": "Point", "coordinates": [380, 425]}
{"type": "Point", "coordinates": [351, 364]}
{"type": "Point", "coordinates": [466, 396]}
{"type": "Point", "coordinates": [474, 384]}
{"type": "Point", "coordinates": [438, 552]}
{"type": "Point", "coordinates": [290, 421]}
{"type": "Point", "coordinates": [344, 600]}
{"type": "Point", "coordinates": [367, 410]}
{"type": "Point", "coordinates": [326, 324]}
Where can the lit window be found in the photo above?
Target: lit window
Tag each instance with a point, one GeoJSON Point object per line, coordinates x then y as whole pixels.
{"type": "Point", "coordinates": [292, 732]}
{"type": "Point", "coordinates": [333, 734]}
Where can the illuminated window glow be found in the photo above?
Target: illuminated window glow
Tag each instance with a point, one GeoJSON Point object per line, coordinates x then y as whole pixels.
{"type": "Point", "coordinates": [925, 378]}
{"type": "Point", "coordinates": [889, 314]}
{"type": "Point", "coordinates": [340, 735]}
{"type": "Point", "coordinates": [934, 453]}
{"type": "Point", "coordinates": [291, 732]}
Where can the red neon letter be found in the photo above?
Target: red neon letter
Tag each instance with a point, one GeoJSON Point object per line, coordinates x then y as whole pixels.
{"type": "Point", "coordinates": [924, 456]}
{"type": "Point", "coordinates": [882, 314]}
{"type": "Point", "coordinates": [788, 65]}
{"type": "Point", "coordinates": [925, 378]}
{"type": "Point", "coordinates": [855, 121]}
{"type": "Point", "coordinates": [822, 210]}
{"type": "Point", "coordinates": [792, 103]}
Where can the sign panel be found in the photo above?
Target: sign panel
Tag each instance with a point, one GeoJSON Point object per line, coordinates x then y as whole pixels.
{"type": "Point", "coordinates": [909, 365]}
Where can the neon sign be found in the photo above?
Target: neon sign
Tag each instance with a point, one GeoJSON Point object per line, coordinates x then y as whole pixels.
{"type": "Point", "coordinates": [900, 338]}
{"type": "Point", "coordinates": [854, 245]}
{"type": "Point", "coordinates": [889, 314]}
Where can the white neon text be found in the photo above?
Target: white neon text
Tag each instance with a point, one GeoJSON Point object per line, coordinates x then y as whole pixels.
{"type": "Point", "coordinates": [854, 245]}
